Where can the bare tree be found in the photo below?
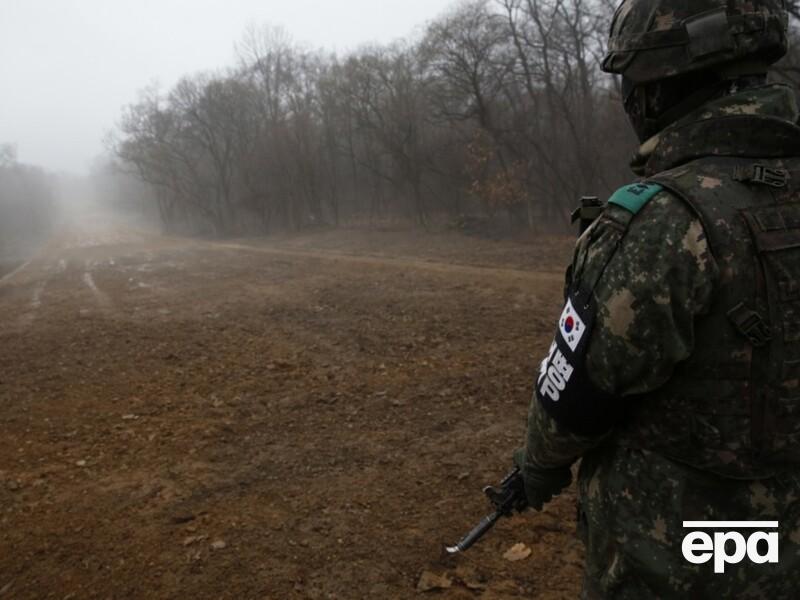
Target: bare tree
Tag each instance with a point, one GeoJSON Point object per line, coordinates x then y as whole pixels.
{"type": "Point", "coordinates": [499, 105]}
{"type": "Point", "coordinates": [26, 205]}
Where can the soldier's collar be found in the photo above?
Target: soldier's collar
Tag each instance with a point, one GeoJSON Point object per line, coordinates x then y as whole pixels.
{"type": "Point", "coordinates": [755, 122]}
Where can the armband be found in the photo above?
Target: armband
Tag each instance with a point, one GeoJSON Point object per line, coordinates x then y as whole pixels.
{"type": "Point", "coordinates": [564, 388]}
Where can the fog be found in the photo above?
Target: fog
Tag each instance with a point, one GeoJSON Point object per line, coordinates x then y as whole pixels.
{"type": "Point", "coordinates": [269, 325]}
{"type": "Point", "coordinates": [68, 67]}
{"type": "Point", "coordinates": [249, 118]}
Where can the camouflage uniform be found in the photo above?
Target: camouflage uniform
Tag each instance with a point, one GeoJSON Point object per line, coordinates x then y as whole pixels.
{"type": "Point", "coordinates": [675, 371]}
{"type": "Point", "coordinates": [701, 347]}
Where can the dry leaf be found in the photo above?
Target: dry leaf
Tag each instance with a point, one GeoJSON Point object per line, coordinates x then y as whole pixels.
{"type": "Point", "coordinates": [429, 581]}
{"type": "Point", "coordinates": [517, 552]}
{"type": "Point", "coordinates": [470, 578]}
{"type": "Point", "coordinates": [193, 538]}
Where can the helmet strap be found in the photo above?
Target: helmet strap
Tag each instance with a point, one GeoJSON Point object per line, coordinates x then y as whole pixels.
{"type": "Point", "coordinates": [654, 106]}
{"type": "Point", "coordinates": [648, 119]}
{"type": "Point", "coordinates": [742, 68]}
{"type": "Point", "coordinates": [689, 103]}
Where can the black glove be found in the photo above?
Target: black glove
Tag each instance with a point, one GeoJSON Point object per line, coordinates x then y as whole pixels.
{"type": "Point", "coordinates": [541, 484]}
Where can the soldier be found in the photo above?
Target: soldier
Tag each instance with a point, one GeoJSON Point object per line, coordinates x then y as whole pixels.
{"type": "Point", "coordinates": [675, 370]}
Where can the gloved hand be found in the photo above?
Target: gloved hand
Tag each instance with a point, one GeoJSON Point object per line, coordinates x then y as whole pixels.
{"type": "Point", "coordinates": [541, 484]}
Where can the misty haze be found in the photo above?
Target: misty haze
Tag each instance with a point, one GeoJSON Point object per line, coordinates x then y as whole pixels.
{"type": "Point", "coordinates": [274, 283]}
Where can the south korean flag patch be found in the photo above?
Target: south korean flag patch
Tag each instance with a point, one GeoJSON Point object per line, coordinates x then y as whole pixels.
{"type": "Point", "coordinates": [571, 326]}
{"type": "Point", "coordinates": [563, 386]}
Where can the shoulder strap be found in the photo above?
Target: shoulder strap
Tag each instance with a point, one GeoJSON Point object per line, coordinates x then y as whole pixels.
{"type": "Point", "coordinates": [744, 308]}
{"type": "Point", "coordinates": [632, 199]}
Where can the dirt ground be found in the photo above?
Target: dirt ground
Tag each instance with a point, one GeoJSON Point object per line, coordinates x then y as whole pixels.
{"type": "Point", "coordinates": [308, 417]}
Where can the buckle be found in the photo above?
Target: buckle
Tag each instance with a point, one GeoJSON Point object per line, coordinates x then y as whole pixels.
{"type": "Point", "coordinates": [750, 324]}
{"type": "Point", "coordinates": [761, 174]}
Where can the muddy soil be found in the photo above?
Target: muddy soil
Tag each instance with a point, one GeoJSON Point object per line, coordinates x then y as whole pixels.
{"type": "Point", "coordinates": [309, 417]}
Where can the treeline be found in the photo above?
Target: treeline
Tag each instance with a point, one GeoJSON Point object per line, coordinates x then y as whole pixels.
{"type": "Point", "coordinates": [26, 205]}
{"type": "Point", "coordinates": [497, 110]}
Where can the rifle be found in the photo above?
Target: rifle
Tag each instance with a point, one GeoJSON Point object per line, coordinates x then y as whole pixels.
{"type": "Point", "coordinates": [507, 497]}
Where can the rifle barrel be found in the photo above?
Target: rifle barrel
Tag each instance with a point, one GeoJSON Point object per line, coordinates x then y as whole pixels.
{"type": "Point", "coordinates": [477, 533]}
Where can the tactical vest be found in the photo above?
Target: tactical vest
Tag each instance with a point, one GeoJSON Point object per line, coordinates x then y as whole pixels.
{"type": "Point", "coordinates": [733, 407]}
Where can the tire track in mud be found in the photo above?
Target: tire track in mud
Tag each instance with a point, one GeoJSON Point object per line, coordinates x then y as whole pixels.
{"type": "Point", "coordinates": [29, 316]}
{"type": "Point", "coordinates": [38, 280]}
{"type": "Point", "coordinates": [88, 279]}
{"type": "Point", "coordinates": [34, 286]}
{"type": "Point", "coordinates": [8, 276]}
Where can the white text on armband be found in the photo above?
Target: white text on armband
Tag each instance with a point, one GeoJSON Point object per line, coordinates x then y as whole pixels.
{"type": "Point", "coordinates": [554, 374]}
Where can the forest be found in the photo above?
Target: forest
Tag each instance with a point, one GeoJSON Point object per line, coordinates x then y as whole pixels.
{"type": "Point", "coordinates": [495, 115]}
{"type": "Point", "coordinates": [27, 206]}
{"type": "Point", "coordinates": [496, 110]}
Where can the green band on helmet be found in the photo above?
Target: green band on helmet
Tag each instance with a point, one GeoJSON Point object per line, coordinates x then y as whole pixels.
{"type": "Point", "coordinates": [633, 197]}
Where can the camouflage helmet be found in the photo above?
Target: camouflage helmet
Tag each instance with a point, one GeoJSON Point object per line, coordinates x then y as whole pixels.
{"type": "Point", "coordinates": [656, 39]}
